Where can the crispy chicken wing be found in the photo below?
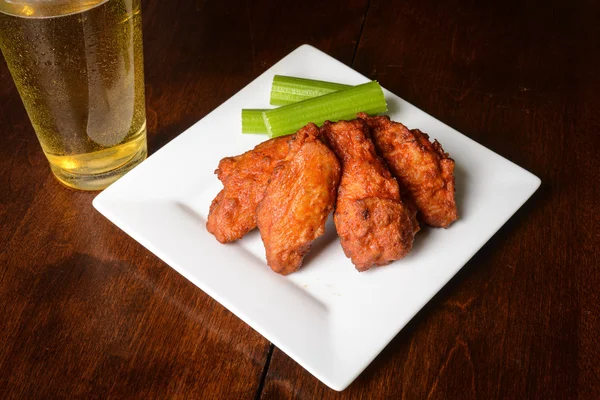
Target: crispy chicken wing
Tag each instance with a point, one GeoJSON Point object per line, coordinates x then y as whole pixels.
{"type": "Point", "coordinates": [245, 177]}
{"type": "Point", "coordinates": [298, 200]}
{"type": "Point", "coordinates": [424, 171]}
{"type": "Point", "coordinates": [374, 226]}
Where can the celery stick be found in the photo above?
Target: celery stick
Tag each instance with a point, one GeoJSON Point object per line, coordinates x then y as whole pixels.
{"type": "Point", "coordinates": [344, 104]}
{"type": "Point", "coordinates": [252, 121]}
{"type": "Point", "coordinates": [289, 89]}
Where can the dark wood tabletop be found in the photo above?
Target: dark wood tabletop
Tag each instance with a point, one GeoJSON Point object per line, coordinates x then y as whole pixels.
{"type": "Point", "coordinates": [87, 312]}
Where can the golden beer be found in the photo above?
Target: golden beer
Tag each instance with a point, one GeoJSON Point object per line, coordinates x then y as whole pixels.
{"type": "Point", "coordinates": [78, 66]}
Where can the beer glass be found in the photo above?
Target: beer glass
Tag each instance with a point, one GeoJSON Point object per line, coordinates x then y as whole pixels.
{"type": "Point", "coordinates": [78, 66]}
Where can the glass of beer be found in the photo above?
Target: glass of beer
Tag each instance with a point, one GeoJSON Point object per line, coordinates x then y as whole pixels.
{"type": "Point", "coordinates": [78, 66]}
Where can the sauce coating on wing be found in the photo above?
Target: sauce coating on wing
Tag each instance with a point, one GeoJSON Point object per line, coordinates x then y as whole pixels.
{"type": "Point", "coordinates": [245, 177]}
{"type": "Point", "coordinates": [425, 172]}
{"type": "Point", "coordinates": [374, 226]}
{"type": "Point", "coordinates": [298, 199]}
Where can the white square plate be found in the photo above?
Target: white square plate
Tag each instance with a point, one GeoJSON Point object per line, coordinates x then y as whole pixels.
{"type": "Point", "coordinates": [328, 317]}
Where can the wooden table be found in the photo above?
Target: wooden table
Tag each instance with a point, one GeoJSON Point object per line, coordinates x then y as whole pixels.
{"type": "Point", "coordinates": [85, 311]}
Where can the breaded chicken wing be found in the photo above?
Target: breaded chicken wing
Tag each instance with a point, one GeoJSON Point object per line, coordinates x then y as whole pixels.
{"type": "Point", "coordinates": [423, 169]}
{"type": "Point", "coordinates": [245, 177]}
{"type": "Point", "coordinates": [374, 226]}
{"type": "Point", "coordinates": [298, 199]}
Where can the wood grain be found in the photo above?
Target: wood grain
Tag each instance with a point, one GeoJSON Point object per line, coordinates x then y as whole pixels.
{"type": "Point", "coordinates": [86, 312]}
{"type": "Point", "coordinates": [521, 320]}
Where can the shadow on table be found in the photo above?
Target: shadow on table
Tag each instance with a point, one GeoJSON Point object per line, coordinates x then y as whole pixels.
{"type": "Point", "coordinates": [402, 339]}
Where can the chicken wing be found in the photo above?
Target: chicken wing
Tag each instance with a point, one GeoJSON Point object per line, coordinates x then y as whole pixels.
{"type": "Point", "coordinates": [245, 177]}
{"type": "Point", "coordinates": [298, 200]}
{"type": "Point", "coordinates": [423, 169]}
{"type": "Point", "coordinates": [374, 226]}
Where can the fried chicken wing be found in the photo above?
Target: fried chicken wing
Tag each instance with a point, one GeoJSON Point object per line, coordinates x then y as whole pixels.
{"type": "Point", "coordinates": [374, 226]}
{"type": "Point", "coordinates": [298, 199]}
{"type": "Point", "coordinates": [425, 172]}
{"type": "Point", "coordinates": [245, 177]}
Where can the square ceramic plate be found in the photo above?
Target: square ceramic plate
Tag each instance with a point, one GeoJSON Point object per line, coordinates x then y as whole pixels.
{"type": "Point", "coordinates": [329, 318]}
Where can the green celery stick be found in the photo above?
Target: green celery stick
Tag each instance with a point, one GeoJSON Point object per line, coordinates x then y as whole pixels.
{"type": "Point", "coordinates": [343, 104]}
{"type": "Point", "coordinates": [252, 121]}
{"type": "Point", "coordinates": [289, 89]}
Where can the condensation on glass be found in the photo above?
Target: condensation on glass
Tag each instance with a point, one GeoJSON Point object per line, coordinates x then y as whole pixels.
{"type": "Point", "coordinates": [78, 66]}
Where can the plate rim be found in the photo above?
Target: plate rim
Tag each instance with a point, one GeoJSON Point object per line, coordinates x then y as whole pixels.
{"type": "Point", "coordinates": [102, 204]}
